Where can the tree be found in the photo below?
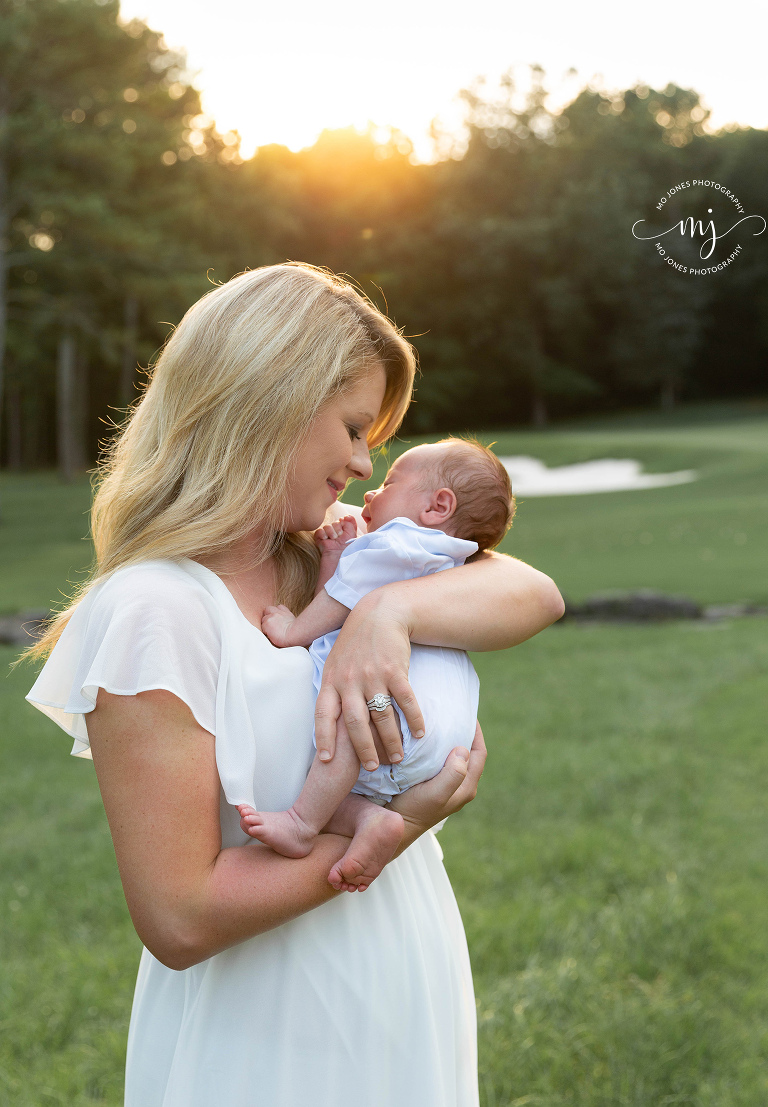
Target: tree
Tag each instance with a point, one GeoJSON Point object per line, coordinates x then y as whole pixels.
{"type": "Point", "coordinates": [510, 259]}
{"type": "Point", "coordinates": [94, 118]}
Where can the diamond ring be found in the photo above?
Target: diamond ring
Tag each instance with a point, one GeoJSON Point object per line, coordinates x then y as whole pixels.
{"type": "Point", "coordinates": [380, 702]}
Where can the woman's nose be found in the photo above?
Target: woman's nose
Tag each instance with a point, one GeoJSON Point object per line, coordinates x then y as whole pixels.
{"type": "Point", "coordinates": [361, 464]}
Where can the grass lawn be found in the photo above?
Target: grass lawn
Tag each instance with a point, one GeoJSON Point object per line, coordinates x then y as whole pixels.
{"type": "Point", "coordinates": [612, 872]}
{"type": "Point", "coordinates": [612, 875]}
{"type": "Point", "coordinates": [706, 539]}
{"type": "Point", "coordinates": [43, 539]}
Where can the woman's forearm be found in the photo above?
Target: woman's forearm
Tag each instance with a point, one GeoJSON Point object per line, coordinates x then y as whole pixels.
{"type": "Point", "coordinates": [251, 889]}
{"type": "Point", "coordinates": [188, 897]}
{"type": "Point", "coordinates": [491, 604]}
{"type": "Point", "coordinates": [248, 891]}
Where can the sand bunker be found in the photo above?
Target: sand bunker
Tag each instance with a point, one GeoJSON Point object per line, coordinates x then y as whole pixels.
{"type": "Point", "coordinates": [531, 477]}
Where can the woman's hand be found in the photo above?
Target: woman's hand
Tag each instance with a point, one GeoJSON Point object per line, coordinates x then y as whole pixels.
{"type": "Point", "coordinates": [370, 655]}
{"type": "Point", "coordinates": [427, 804]}
{"type": "Point", "coordinates": [490, 604]}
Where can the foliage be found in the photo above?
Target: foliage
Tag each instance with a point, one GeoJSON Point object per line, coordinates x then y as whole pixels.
{"type": "Point", "coordinates": [93, 118]}
{"type": "Point", "coordinates": [510, 259]}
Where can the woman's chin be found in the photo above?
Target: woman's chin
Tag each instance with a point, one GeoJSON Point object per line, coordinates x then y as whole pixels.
{"type": "Point", "coordinates": [309, 519]}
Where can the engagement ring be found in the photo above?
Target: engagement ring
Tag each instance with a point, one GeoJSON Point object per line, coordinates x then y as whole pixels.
{"type": "Point", "coordinates": [380, 702]}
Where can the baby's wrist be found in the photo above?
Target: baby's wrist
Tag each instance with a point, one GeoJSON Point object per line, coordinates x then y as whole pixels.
{"type": "Point", "coordinates": [291, 634]}
{"type": "Point", "coordinates": [297, 634]}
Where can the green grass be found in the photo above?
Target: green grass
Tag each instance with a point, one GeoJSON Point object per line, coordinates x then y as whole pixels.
{"type": "Point", "coordinates": [43, 539]}
{"type": "Point", "coordinates": [69, 952]}
{"type": "Point", "coordinates": [611, 874]}
{"type": "Point", "coordinates": [706, 539]}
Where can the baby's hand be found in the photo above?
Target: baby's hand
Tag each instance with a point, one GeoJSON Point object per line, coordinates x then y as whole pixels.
{"type": "Point", "coordinates": [333, 537]}
{"type": "Point", "coordinates": [276, 623]}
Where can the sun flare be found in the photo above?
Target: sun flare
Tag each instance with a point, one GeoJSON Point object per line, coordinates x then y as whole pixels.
{"type": "Point", "coordinates": [284, 76]}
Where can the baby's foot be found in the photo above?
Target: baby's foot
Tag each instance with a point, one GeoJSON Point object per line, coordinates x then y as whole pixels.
{"type": "Point", "coordinates": [333, 537]}
{"type": "Point", "coordinates": [276, 623]}
{"type": "Point", "coordinates": [284, 831]}
{"type": "Point", "coordinates": [377, 836]}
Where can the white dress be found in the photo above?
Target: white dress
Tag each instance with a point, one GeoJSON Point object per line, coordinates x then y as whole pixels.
{"type": "Point", "coordinates": [443, 680]}
{"type": "Point", "coordinates": [365, 1001]}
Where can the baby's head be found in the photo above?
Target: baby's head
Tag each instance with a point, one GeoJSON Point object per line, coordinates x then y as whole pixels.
{"type": "Point", "coordinates": [455, 485]}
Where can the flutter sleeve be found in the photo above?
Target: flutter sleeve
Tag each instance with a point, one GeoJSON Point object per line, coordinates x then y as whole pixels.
{"type": "Point", "coordinates": [399, 550]}
{"type": "Point", "coordinates": [143, 628]}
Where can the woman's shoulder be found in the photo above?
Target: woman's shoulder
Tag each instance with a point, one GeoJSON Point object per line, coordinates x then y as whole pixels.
{"type": "Point", "coordinates": [145, 626]}
{"type": "Point", "coordinates": [153, 576]}
{"type": "Point", "coordinates": [161, 585]}
{"type": "Point", "coordinates": [161, 600]}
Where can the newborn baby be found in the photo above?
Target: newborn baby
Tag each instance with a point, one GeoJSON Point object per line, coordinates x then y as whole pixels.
{"type": "Point", "coordinates": [438, 505]}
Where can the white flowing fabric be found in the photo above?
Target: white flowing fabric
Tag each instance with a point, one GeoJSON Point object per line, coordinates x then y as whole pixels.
{"type": "Point", "coordinates": [366, 1001]}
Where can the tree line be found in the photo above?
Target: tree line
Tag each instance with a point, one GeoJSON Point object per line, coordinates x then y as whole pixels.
{"type": "Point", "coordinates": [510, 260]}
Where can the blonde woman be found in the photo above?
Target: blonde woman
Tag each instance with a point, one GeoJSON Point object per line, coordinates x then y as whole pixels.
{"type": "Point", "coordinates": [260, 985]}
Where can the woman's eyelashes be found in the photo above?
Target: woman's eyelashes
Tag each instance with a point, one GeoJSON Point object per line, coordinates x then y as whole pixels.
{"type": "Point", "coordinates": [354, 433]}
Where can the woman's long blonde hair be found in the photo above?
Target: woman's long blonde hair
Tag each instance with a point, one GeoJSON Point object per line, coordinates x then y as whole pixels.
{"type": "Point", "coordinates": [206, 456]}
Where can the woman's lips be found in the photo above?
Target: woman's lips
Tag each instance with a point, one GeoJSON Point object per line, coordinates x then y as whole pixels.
{"type": "Point", "coordinates": [334, 487]}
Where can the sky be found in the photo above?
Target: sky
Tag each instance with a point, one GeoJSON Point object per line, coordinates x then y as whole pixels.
{"type": "Point", "coordinates": [284, 71]}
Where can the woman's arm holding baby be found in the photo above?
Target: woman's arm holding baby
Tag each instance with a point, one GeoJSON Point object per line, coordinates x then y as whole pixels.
{"type": "Point", "coordinates": [490, 604]}
{"type": "Point", "coordinates": [188, 897]}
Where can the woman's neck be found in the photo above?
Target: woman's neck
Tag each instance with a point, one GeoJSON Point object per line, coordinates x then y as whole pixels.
{"type": "Point", "coordinates": [253, 588]}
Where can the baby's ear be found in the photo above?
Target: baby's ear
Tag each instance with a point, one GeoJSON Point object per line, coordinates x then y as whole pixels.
{"type": "Point", "coordinates": [442, 505]}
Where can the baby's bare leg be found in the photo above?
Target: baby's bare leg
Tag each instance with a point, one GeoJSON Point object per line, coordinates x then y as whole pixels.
{"type": "Point", "coordinates": [376, 833]}
{"type": "Point", "coordinates": [292, 832]}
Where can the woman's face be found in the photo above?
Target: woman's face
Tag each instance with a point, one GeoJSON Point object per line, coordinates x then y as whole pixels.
{"type": "Point", "coordinates": [334, 451]}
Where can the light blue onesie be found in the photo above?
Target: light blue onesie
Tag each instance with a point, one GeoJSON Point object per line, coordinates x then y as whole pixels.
{"type": "Point", "coordinates": [443, 680]}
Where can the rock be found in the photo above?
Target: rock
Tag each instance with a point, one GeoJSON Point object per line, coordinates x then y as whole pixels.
{"type": "Point", "coordinates": [642, 606]}
{"type": "Point", "coordinates": [733, 610]}
{"type": "Point", "coordinates": [22, 629]}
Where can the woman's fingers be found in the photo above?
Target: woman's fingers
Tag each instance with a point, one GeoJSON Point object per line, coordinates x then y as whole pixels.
{"type": "Point", "coordinates": [456, 783]}
{"type": "Point", "coordinates": [428, 803]}
{"type": "Point", "coordinates": [371, 656]}
{"type": "Point", "coordinates": [451, 778]}
{"type": "Point", "coordinates": [327, 711]}
{"type": "Point", "coordinates": [467, 790]}
{"type": "Point", "coordinates": [388, 727]}
{"type": "Point", "coordinates": [402, 693]}
{"type": "Point", "coordinates": [358, 722]}
{"type": "Point", "coordinates": [478, 753]}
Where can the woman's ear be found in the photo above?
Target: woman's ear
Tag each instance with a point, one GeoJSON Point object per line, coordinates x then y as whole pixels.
{"type": "Point", "coordinates": [441, 506]}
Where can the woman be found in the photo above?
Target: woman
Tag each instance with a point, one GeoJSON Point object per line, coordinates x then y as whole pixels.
{"type": "Point", "coordinates": [259, 985]}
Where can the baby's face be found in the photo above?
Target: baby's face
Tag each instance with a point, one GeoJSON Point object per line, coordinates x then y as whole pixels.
{"type": "Point", "coordinates": [404, 493]}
